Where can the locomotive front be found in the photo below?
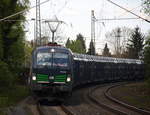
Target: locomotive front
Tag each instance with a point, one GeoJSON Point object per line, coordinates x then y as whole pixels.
{"type": "Point", "coordinates": [51, 70]}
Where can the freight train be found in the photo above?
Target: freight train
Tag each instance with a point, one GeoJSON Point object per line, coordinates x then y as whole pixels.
{"type": "Point", "coordinates": [55, 69]}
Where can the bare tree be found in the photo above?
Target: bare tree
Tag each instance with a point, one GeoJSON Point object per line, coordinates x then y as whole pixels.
{"type": "Point", "coordinates": [118, 38]}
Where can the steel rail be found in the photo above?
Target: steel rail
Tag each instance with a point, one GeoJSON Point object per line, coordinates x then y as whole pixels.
{"type": "Point", "coordinates": [63, 108]}
{"type": "Point", "coordinates": [40, 109]}
{"type": "Point", "coordinates": [142, 111]}
{"type": "Point", "coordinates": [105, 106]}
{"type": "Point", "coordinates": [66, 110]}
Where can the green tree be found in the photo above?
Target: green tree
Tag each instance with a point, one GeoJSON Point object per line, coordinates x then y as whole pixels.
{"type": "Point", "coordinates": [147, 57]}
{"type": "Point", "coordinates": [81, 38]}
{"type": "Point", "coordinates": [77, 45]}
{"type": "Point", "coordinates": [12, 33]}
{"type": "Point", "coordinates": [28, 53]}
{"type": "Point", "coordinates": [136, 44]}
{"type": "Point", "coordinates": [1, 47]}
{"type": "Point", "coordinates": [6, 78]}
{"type": "Point", "coordinates": [106, 51]}
{"type": "Point", "coordinates": [146, 6]}
{"type": "Point", "coordinates": [68, 43]}
{"type": "Point", "coordinates": [91, 50]}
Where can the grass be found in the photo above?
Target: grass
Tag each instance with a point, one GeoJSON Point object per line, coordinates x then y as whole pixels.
{"type": "Point", "coordinates": [2, 113]}
{"type": "Point", "coordinates": [10, 97]}
{"type": "Point", "coordinates": [136, 94]}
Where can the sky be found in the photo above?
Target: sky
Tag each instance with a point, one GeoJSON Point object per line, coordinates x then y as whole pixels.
{"type": "Point", "coordinates": [76, 15]}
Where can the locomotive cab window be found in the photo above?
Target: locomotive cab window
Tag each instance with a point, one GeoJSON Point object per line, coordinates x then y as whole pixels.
{"type": "Point", "coordinates": [60, 60]}
{"type": "Point", "coordinates": [49, 59]}
{"type": "Point", "coordinates": [44, 58]}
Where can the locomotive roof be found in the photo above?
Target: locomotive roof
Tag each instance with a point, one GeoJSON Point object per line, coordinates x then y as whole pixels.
{"type": "Point", "coordinates": [49, 47]}
{"type": "Point", "coordinates": [85, 57]}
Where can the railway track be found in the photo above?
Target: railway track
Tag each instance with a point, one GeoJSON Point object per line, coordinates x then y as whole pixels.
{"type": "Point", "coordinates": [100, 96]}
{"type": "Point", "coordinates": [53, 110]}
{"type": "Point", "coordinates": [108, 95]}
{"type": "Point", "coordinates": [79, 104]}
{"type": "Point", "coordinates": [95, 100]}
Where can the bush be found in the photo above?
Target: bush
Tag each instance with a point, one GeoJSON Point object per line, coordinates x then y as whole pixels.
{"type": "Point", "coordinates": [10, 91]}
{"type": "Point", "coordinates": [6, 78]}
{"type": "Point", "coordinates": [13, 96]}
{"type": "Point", "coordinates": [147, 59]}
{"type": "Point", "coordinates": [148, 84]}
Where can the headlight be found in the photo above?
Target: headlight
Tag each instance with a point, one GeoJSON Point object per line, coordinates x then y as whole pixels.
{"type": "Point", "coordinates": [51, 77]}
{"type": "Point", "coordinates": [68, 79]}
{"type": "Point", "coordinates": [34, 78]}
{"type": "Point", "coordinates": [53, 50]}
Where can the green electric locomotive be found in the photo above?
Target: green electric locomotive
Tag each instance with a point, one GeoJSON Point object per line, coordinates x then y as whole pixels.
{"type": "Point", "coordinates": [51, 70]}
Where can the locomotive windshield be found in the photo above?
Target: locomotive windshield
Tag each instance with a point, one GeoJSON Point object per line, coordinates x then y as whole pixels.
{"type": "Point", "coordinates": [49, 59]}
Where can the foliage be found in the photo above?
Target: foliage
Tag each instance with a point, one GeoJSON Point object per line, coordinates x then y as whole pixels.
{"type": "Point", "coordinates": [16, 56]}
{"type": "Point", "coordinates": [147, 57]}
{"type": "Point", "coordinates": [6, 79]}
{"type": "Point", "coordinates": [12, 96]}
{"type": "Point", "coordinates": [81, 38]}
{"type": "Point", "coordinates": [1, 47]}
{"type": "Point", "coordinates": [146, 9]}
{"type": "Point", "coordinates": [106, 51]}
{"type": "Point", "coordinates": [77, 45]}
{"type": "Point", "coordinates": [136, 44]}
{"type": "Point", "coordinates": [28, 51]}
{"type": "Point", "coordinates": [68, 43]}
{"type": "Point", "coordinates": [91, 50]}
{"type": "Point", "coordinates": [146, 6]}
{"type": "Point", "coordinates": [12, 34]}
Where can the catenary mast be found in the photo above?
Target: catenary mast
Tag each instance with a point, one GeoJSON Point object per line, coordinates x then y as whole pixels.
{"type": "Point", "coordinates": [38, 24]}
{"type": "Point", "coordinates": [93, 19]}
